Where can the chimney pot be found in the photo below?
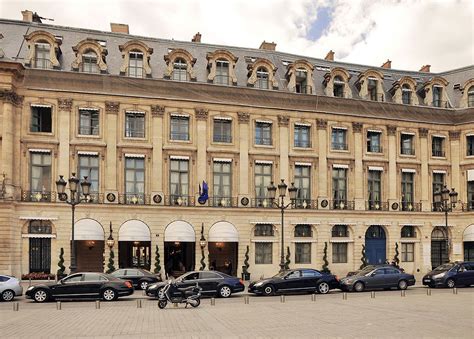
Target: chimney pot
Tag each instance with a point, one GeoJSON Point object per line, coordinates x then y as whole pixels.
{"type": "Point", "coordinates": [269, 46]}
{"type": "Point", "coordinates": [196, 37]}
{"type": "Point", "coordinates": [27, 15]}
{"type": "Point", "coordinates": [387, 64]}
{"type": "Point", "coordinates": [425, 68]}
{"type": "Point", "coordinates": [329, 56]}
{"type": "Point", "coordinates": [119, 28]}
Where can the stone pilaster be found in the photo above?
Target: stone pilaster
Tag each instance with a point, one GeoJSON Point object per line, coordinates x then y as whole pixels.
{"type": "Point", "coordinates": [244, 172]}
{"type": "Point", "coordinates": [323, 162]}
{"type": "Point", "coordinates": [358, 168]}
{"type": "Point", "coordinates": [424, 175]}
{"type": "Point", "coordinates": [201, 135]}
{"type": "Point", "coordinates": [454, 142]}
{"type": "Point", "coordinates": [64, 130]}
{"type": "Point", "coordinates": [392, 165]}
{"type": "Point", "coordinates": [283, 122]}
{"type": "Point", "coordinates": [111, 135]}
{"type": "Point", "coordinates": [157, 114]}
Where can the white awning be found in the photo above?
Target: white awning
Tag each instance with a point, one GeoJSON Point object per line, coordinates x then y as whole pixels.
{"type": "Point", "coordinates": [468, 234]}
{"type": "Point", "coordinates": [408, 133]}
{"type": "Point", "coordinates": [222, 160]}
{"type": "Point", "coordinates": [87, 153]}
{"type": "Point", "coordinates": [342, 223]}
{"type": "Point", "coordinates": [374, 130]}
{"type": "Point", "coordinates": [340, 166]}
{"type": "Point", "coordinates": [263, 162]}
{"type": "Point", "coordinates": [264, 240]}
{"type": "Point", "coordinates": [134, 230]}
{"type": "Point", "coordinates": [265, 222]}
{"type": "Point", "coordinates": [38, 218]}
{"type": "Point", "coordinates": [135, 112]}
{"type": "Point", "coordinates": [179, 157]}
{"type": "Point", "coordinates": [39, 150]}
{"type": "Point", "coordinates": [439, 136]}
{"type": "Point", "coordinates": [307, 164]}
{"type": "Point", "coordinates": [131, 155]}
{"type": "Point", "coordinates": [406, 240]}
{"type": "Point", "coordinates": [341, 240]}
{"type": "Point", "coordinates": [339, 127]}
{"type": "Point", "coordinates": [223, 231]}
{"type": "Point", "coordinates": [375, 168]}
{"type": "Point", "coordinates": [180, 231]}
{"type": "Point", "coordinates": [305, 223]}
{"type": "Point", "coordinates": [44, 236]}
{"type": "Point", "coordinates": [410, 224]}
{"type": "Point", "coordinates": [88, 109]}
{"type": "Point", "coordinates": [439, 171]}
{"type": "Point", "coordinates": [264, 121]}
{"type": "Point", "coordinates": [408, 170]}
{"type": "Point", "coordinates": [223, 118]}
{"type": "Point", "coordinates": [302, 241]}
{"type": "Point", "coordinates": [441, 225]}
{"type": "Point", "coordinates": [302, 124]}
{"type": "Point", "coordinates": [178, 115]}
{"type": "Point", "coordinates": [470, 175]}
{"type": "Point", "coordinates": [88, 229]}
{"type": "Point", "coordinates": [40, 105]}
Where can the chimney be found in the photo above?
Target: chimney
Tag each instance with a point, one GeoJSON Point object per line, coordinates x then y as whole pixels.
{"type": "Point", "coordinates": [425, 68]}
{"type": "Point", "coordinates": [27, 15]}
{"type": "Point", "coordinates": [387, 64]}
{"type": "Point", "coordinates": [119, 28]}
{"type": "Point", "coordinates": [329, 56]}
{"type": "Point", "coordinates": [269, 46]}
{"type": "Point", "coordinates": [196, 37]}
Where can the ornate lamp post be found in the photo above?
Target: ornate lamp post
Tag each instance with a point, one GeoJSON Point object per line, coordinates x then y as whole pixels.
{"type": "Point", "coordinates": [110, 239]}
{"type": "Point", "coordinates": [202, 243]}
{"type": "Point", "coordinates": [281, 205]}
{"type": "Point", "coordinates": [445, 201]}
{"type": "Point", "coordinates": [73, 200]}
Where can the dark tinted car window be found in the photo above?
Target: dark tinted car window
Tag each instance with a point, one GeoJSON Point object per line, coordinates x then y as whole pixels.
{"type": "Point", "coordinates": [191, 276]}
{"type": "Point", "coordinates": [391, 271]}
{"type": "Point", "coordinates": [92, 277]}
{"type": "Point", "coordinates": [379, 271]}
{"type": "Point", "coordinates": [310, 273]}
{"type": "Point", "coordinates": [294, 275]}
{"type": "Point", "coordinates": [444, 267]}
{"type": "Point", "coordinates": [469, 267]}
{"type": "Point", "coordinates": [118, 273]}
{"type": "Point", "coordinates": [73, 279]}
{"type": "Point", "coordinates": [3, 278]}
{"type": "Point", "coordinates": [208, 275]}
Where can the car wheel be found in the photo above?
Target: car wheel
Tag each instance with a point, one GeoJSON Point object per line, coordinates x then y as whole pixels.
{"type": "Point", "coordinates": [162, 304]}
{"type": "Point", "coordinates": [323, 287]}
{"type": "Point", "coordinates": [198, 302]}
{"type": "Point", "coordinates": [143, 285]}
{"type": "Point", "coordinates": [158, 293]}
{"type": "Point", "coordinates": [402, 285]}
{"type": "Point", "coordinates": [40, 296]}
{"type": "Point", "coordinates": [269, 290]}
{"type": "Point", "coordinates": [450, 283]}
{"type": "Point", "coordinates": [109, 294]}
{"type": "Point", "coordinates": [359, 286]}
{"type": "Point", "coordinates": [8, 295]}
{"type": "Point", "coordinates": [224, 291]}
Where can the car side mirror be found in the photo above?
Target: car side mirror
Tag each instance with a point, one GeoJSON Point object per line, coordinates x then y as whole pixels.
{"type": "Point", "coordinates": [61, 282]}
{"type": "Point", "coordinates": [373, 274]}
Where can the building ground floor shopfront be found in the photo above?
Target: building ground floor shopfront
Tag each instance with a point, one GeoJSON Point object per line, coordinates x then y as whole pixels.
{"type": "Point", "coordinates": [222, 239]}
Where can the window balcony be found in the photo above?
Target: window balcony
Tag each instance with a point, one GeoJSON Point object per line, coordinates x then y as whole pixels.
{"type": "Point", "coordinates": [407, 151]}
{"type": "Point", "coordinates": [134, 133]}
{"type": "Point", "coordinates": [468, 206]}
{"type": "Point", "coordinates": [222, 79]}
{"type": "Point", "coordinates": [341, 205]}
{"type": "Point", "coordinates": [305, 204]}
{"type": "Point", "coordinates": [407, 206]}
{"type": "Point", "coordinates": [179, 200]}
{"type": "Point", "coordinates": [376, 97]}
{"type": "Point", "coordinates": [42, 63]}
{"type": "Point", "coordinates": [135, 72]}
{"type": "Point", "coordinates": [262, 203]}
{"type": "Point", "coordinates": [376, 206]}
{"type": "Point", "coordinates": [374, 149]}
{"type": "Point", "coordinates": [439, 103]}
{"type": "Point", "coordinates": [470, 151]}
{"type": "Point", "coordinates": [302, 144]}
{"type": "Point", "coordinates": [303, 89]}
{"type": "Point", "coordinates": [339, 146]}
{"type": "Point", "coordinates": [225, 138]}
{"type": "Point", "coordinates": [263, 141]}
{"type": "Point", "coordinates": [38, 196]}
{"type": "Point", "coordinates": [223, 202]}
{"type": "Point", "coordinates": [438, 153]}
{"type": "Point", "coordinates": [134, 199]}
{"type": "Point", "coordinates": [179, 136]}
{"type": "Point", "coordinates": [94, 198]}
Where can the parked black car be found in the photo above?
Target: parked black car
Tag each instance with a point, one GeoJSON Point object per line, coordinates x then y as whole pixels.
{"type": "Point", "coordinates": [81, 285]}
{"type": "Point", "coordinates": [451, 275]}
{"type": "Point", "coordinates": [296, 280]}
{"type": "Point", "coordinates": [139, 277]}
{"type": "Point", "coordinates": [211, 282]}
{"type": "Point", "coordinates": [379, 277]}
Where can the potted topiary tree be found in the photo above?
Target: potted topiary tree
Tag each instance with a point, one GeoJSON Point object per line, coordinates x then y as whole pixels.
{"type": "Point", "coordinates": [288, 261]}
{"type": "Point", "coordinates": [60, 273]}
{"type": "Point", "coordinates": [110, 265]}
{"type": "Point", "coordinates": [363, 258]}
{"type": "Point", "coordinates": [245, 267]}
{"type": "Point", "coordinates": [396, 260]}
{"type": "Point", "coordinates": [325, 259]}
{"type": "Point", "coordinates": [157, 269]}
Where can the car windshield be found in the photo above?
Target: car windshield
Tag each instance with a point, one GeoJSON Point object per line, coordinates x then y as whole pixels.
{"type": "Point", "coordinates": [444, 267]}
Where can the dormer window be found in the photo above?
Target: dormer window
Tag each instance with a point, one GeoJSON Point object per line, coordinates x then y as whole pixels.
{"type": "Point", "coordinates": [135, 65]}
{"type": "Point", "coordinates": [406, 94]}
{"type": "Point", "coordinates": [301, 82]}
{"type": "Point", "coordinates": [262, 78]}
{"type": "Point", "coordinates": [89, 57]}
{"type": "Point", "coordinates": [222, 72]}
{"type": "Point", "coordinates": [179, 70]}
{"type": "Point", "coordinates": [43, 50]}
{"type": "Point", "coordinates": [370, 85]}
{"type": "Point", "coordinates": [89, 63]}
{"type": "Point", "coordinates": [437, 96]}
{"type": "Point", "coordinates": [299, 75]}
{"type": "Point", "coordinates": [221, 66]}
{"type": "Point", "coordinates": [338, 87]}
{"type": "Point", "coordinates": [372, 89]}
{"type": "Point", "coordinates": [42, 56]}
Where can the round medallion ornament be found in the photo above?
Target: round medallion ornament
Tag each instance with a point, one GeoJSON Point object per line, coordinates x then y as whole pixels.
{"type": "Point", "coordinates": [110, 197]}
{"type": "Point", "coordinates": [244, 201]}
{"type": "Point", "coordinates": [157, 198]}
{"type": "Point", "coordinates": [395, 206]}
{"type": "Point", "coordinates": [324, 203]}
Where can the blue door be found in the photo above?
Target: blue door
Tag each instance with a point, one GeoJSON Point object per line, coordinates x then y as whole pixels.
{"type": "Point", "coordinates": [375, 245]}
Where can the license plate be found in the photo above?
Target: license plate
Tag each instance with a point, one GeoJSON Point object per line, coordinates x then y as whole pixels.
{"type": "Point", "coordinates": [426, 280]}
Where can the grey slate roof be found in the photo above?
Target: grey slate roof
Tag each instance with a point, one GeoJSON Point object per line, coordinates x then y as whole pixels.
{"type": "Point", "coordinates": [16, 49]}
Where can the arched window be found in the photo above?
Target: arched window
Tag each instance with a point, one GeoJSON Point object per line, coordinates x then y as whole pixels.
{"type": "Point", "coordinates": [222, 72]}
{"type": "Point", "coordinates": [40, 246]}
{"type": "Point", "coordinates": [375, 232]}
{"type": "Point", "coordinates": [470, 97]}
{"type": "Point", "coordinates": [438, 234]}
{"type": "Point", "coordinates": [340, 231]}
{"type": "Point", "coordinates": [303, 231]}
{"type": "Point", "coordinates": [338, 86]}
{"type": "Point", "coordinates": [262, 78]}
{"type": "Point", "coordinates": [406, 94]}
{"type": "Point", "coordinates": [179, 70]}
{"type": "Point", "coordinates": [89, 62]}
{"type": "Point", "coordinates": [408, 232]}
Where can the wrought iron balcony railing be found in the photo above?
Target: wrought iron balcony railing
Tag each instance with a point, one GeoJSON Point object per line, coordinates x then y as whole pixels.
{"type": "Point", "coordinates": [339, 146]}
{"type": "Point", "coordinates": [38, 196]}
{"type": "Point", "coordinates": [262, 203]}
{"type": "Point", "coordinates": [223, 202]}
{"type": "Point", "coordinates": [305, 204]}
{"type": "Point", "coordinates": [134, 199]}
{"type": "Point", "coordinates": [438, 153]}
{"type": "Point", "coordinates": [341, 204]}
{"type": "Point", "coordinates": [468, 206]}
{"type": "Point", "coordinates": [376, 205]}
{"type": "Point", "coordinates": [179, 200]}
{"type": "Point", "coordinates": [407, 206]}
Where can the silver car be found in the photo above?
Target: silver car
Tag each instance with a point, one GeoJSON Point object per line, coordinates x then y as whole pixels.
{"type": "Point", "coordinates": [9, 288]}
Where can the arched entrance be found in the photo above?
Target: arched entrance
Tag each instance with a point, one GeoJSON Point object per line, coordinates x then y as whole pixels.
{"type": "Point", "coordinates": [89, 238]}
{"type": "Point", "coordinates": [439, 247]}
{"type": "Point", "coordinates": [134, 245]}
{"type": "Point", "coordinates": [375, 245]}
{"type": "Point", "coordinates": [468, 240]}
{"type": "Point", "coordinates": [223, 242]}
{"type": "Point", "coordinates": [180, 248]}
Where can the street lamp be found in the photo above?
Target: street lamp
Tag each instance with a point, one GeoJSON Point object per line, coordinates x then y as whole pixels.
{"type": "Point", "coordinates": [281, 205]}
{"type": "Point", "coordinates": [73, 200]}
{"type": "Point", "coordinates": [202, 243]}
{"type": "Point", "coordinates": [110, 239]}
{"type": "Point", "coordinates": [445, 201]}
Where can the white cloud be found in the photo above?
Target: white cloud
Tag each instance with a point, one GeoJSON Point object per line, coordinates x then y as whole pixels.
{"type": "Point", "coordinates": [409, 32]}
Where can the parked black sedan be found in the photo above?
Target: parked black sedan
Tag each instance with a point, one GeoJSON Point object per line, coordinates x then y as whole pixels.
{"type": "Point", "coordinates": [296, 280]}
{"type": "Point", "coordinates": [451, 275]}
{"type": "Point", "coordinates": [380, 277]}
{"type": "Point", "coordinates": [81, 285]}
{"type": "Point", "coordinates": [213, 283]}
{"type": "Point", "coordinates": [139, 277]}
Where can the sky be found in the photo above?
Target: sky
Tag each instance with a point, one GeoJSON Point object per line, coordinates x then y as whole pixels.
{"type": "Point", "coordinates": [410, 33]}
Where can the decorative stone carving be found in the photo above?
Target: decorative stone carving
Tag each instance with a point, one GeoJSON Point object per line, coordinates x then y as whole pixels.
{"type": "Point", "coordinates": [283, 120]}
{"type": "Point", "coordinates": [201, 113]}
{"type": "Point", "coordinates": [243, 117]}
{"type": "Point", "coordinates": [321, 123]}
{"type": "Point", "coordinates": [136, 45]}
{"type": "Point", "coordinates": [391, 130]}
{"type": "Point", "coordinates": [65, 104]}
{"type": "Point", "coordinates": [86, 46]}
{"type": "Point", "coordinates": [112, 107]}
{"type": "Point", "coordinates": [423, 132]}
{"type": "Point", "coordinates": [454, 135]}
{"type": "Point", "coordinates": [357, 127]}
{"type": "Point", "coordinates": [43, 37]}
{"type": "Point", "coordinates": [157, 110]}
{"type": "Point", "coordinates": [221, 54]}
{"type": "Point", "coordinates": [291, 75]}
{"type": "Point", "coordinates": [11, 97]}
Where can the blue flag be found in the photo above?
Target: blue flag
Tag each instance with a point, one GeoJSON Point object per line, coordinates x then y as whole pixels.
{"type": "Point", "coordinates": [203, 194]}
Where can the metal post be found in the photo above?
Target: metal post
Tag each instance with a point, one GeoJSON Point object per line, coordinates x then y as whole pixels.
{"type": "Point", "coordinates": [246, 300]}
{"type": "Point", "coordinates": [402, 293]}
{"type": "Point", "coordinates": [175, 305]}
{"type": "Point", "coordinates": [313, 297]}
{"type": "Point", "coordinates": [372, 294]}
{"type": "Point", "coordinates": [97, 304]}
{"type": "Point", "coordinates": [455, 290]}
{"type": "Point", "coordinates": [139, 303]}
{"type": "Point", "coordinates": [73, 266]}
{"type": "Point", "coordinates": [344, 295]}
{"type": "Point", "coordinates": [282, 254]}
{"type": "Point", "coordinates": [213, 301]}
{"type": "Point", "coordinates": [29, 282]}
{"type": "Point", "coordinates": [16, 306]}
{"type": "Point", "coordinates": [58, 305]}
{"type": "Point", "coordinates": [428, 291]}
{"type": "Point", "coordinates": [282, 298]}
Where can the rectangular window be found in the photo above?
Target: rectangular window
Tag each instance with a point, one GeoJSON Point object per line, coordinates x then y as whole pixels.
{"type": "Point", "coordinates": [179, 181]}
{"type": "Point", "coordinates": [89, 63]}
{"type": "Point", "coordinates": [303, 253]}
{"type": "Point", "coordinates": [263, 252]}
{"type": "Point", "coordinates": [339, 187]}
{"type": "Point", "coordinates": [375, 189]}
{"type": "Point", "coordinates": [438, 182]}
{"type": "Point", "coordinates": [263, 133]}
{"type": "Point", "coordinates": [42, 56]}
{"type": "Point", "coordinates": [301, 85]}
{"type": "Point", "coordinates": [372, 89]}
{"type": "Point", "coordinates": [373, 142]}
{"type": "Point", "coordinates": [302, 136]}
{"type": "Point", "coordinates": [338, 139]}
{"type": "Point", "coordinates": [88, 121]}
{"type": "Point", "coordinates": [407, 190]}
{"type": "Point", "coordinates": [222, 181]}
{"type": "Point", "coordinates": [134, 125]}
{"type": "Point", "coordinates": [222, 73]}
{"type": "Point", "coordinates": [179, 128]}
{"type": "Point", "coordinates": [134, 180]}
{"type": "Point", "coordinates": [40, 172]}
{"type": "Point", "coordinates": [406, 96]}
{"type": "Point", "coordinates": [338, 87]}
{"type": "Point", "coordinates": [89, 166]}
{"type": "Point", "coordinates": [437, 147]}
{"type": "Point", "coordinates": [303, 183]}
{"type": "Point", "coordinates": [470, 145]}
{"type": "Point", "coordinates": [222, 130]}
{"type": "Point", "coordinates": [470, 195]}
{"type": "Point", "coordinates": [408, 252]}
{"type": "Point", "coordinates": [339, 253]}
{"type": "Point", "coordinates": [263, 177]}
{"type": "Point", "coordinates": [135, 65]}
{"type": "Point", "coordinates": [180, 72]}
{"type": "Point", "coordinates": [437, 96]}
{"type": "Point", "coordinates": [406, 144]}
{"type": "Point", "coordinates": [41, 119]}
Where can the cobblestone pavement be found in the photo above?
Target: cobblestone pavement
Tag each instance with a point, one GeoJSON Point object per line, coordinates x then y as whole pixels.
{"type": "Point", "coordinates": [441, 315]}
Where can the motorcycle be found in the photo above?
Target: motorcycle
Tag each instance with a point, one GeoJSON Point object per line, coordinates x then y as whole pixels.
{"type": "Point", "coordinates": [172, 293]}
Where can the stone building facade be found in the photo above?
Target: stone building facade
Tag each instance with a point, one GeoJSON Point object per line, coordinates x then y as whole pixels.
{"type": "Point", "coordinates": [152, 122]}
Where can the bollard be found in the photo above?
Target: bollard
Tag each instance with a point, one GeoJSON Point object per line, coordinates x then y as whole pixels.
{"type": "Point", "coordinates": [344, 295]}
{"type": "Point", "coordinates": [139, 303]}
{"type": "Point", "coordinates": [282, 298]}
{"type": "Point", "coordinates": [97, 304]}
{"type": "Point", "coordinates": [29, 284]}
{"type": "Point", "coordinates": [16, 306]}
{"type": "Point", "coordinates": [313, 297]}
{"type": "Point", "coordinates": [49, 278]}
{"type": "Point", "coordinates": [372, 294]}
{"type": "Point", "coordinates": [428, 291]}
{"type": "Point", "coordinates": [402, 293]}
{"type": "Point", "coordinates": [213, 301]}
{"type": "Point", "coordinates": [58, 305]}
{"type": "Point", "coordinates": [143, 292]}
{"type": "Point", "coordinates": [246, 300]}
{"type": "Point", "coordinates": [455, 290]}
{"type": "Point", "coordinates": [175, 305]}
